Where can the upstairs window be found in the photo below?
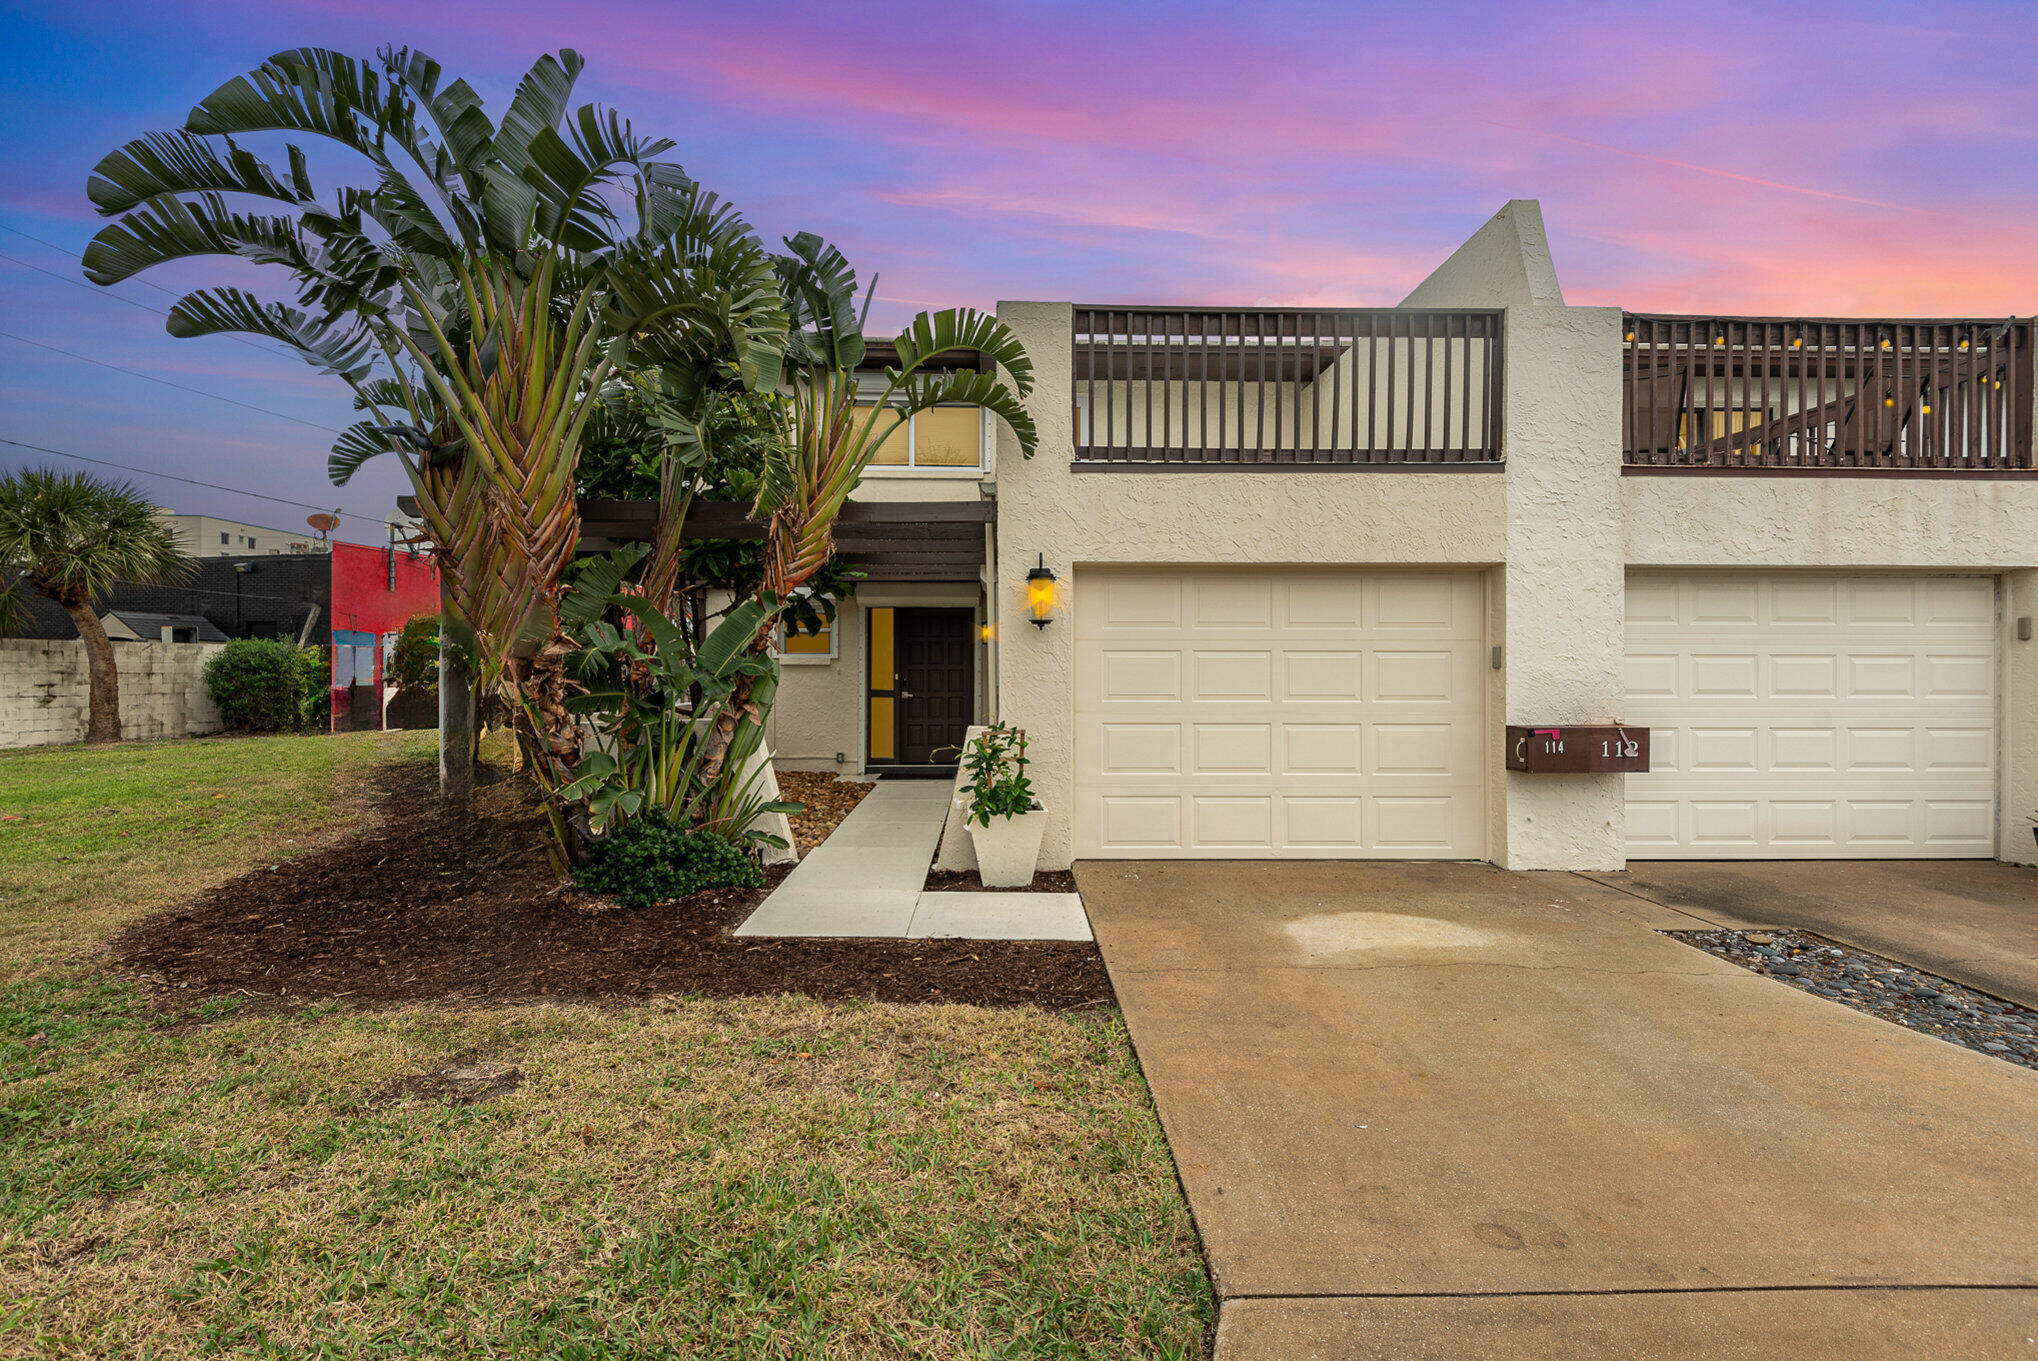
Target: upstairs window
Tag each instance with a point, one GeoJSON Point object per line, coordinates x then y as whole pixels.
{"type": "Point", "coordinates": [942, 438]}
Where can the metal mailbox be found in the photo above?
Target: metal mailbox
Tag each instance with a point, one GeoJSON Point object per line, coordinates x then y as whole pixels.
{"type": "Point", "coordinates": [1578, 749]}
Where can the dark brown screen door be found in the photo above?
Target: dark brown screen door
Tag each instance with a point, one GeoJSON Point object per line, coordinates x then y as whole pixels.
{"type": "Point", "coordinates": [936, 665]}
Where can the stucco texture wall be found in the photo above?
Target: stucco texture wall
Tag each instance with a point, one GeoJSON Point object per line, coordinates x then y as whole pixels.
{"type": "Point", "coordinates": [818, 712]}
{"type": "Point", "coordinates": [44, 691]}
{"type": "Point", "coordinates": [1091, 519]}
{"type": "Point", "coordinates": [1951, 524]}
{"type": "Point", "coordinates": [1565, 577]}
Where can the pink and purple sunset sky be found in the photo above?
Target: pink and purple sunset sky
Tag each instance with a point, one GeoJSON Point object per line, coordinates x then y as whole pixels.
{"type": "Point", "coordinates": [1816, 159]}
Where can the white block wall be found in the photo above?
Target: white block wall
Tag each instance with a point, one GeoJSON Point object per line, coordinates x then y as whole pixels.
{"type": "Point", "coordinates": [44, 687]}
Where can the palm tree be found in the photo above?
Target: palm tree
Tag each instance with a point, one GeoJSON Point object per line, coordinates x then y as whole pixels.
{"type": "Point", "coordinates": [74, 535]}
{"type": "Point", "coordinates": [823, 448]}
{"type": "Point", "coordinates": [474, 289]}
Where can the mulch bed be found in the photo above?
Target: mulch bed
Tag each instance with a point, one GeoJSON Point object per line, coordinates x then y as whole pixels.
{"type": "Point", "coordinates": [444, 903]}
{"type": "Point", "coordinates": [966, 881]}
{"type": "Point", "coordinates": [1882, 987]}
{"type": "Point", "coordinates": [829, 799]}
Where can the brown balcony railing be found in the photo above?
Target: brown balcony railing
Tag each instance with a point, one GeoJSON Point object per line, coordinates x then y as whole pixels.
{"type": "Point", "coordinates": [1783, 392]}
{"type": "Point", "coordinates": [1186, 388]}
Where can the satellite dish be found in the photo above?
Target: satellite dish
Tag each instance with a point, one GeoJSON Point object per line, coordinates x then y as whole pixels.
{"type": "Point", "coordinates": [323, 523]}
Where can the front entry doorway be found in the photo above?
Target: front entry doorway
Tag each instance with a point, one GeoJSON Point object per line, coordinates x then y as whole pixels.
{"type": "Point", "coordinates": [922, 684]}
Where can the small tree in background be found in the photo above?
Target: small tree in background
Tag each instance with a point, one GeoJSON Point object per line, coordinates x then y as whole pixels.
{"type": "Point", "coordinates": [413, 668]}
{"type": "Point", "coordinates": [75, 535]}
{"type": "Point", "coordinates": [414, 664]}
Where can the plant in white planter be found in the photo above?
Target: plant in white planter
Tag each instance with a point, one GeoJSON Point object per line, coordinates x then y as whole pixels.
{"type": "Point", "coordinates": [1005, 821]}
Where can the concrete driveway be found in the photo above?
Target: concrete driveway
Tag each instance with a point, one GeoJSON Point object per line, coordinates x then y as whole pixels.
{"type": "Point", "coordinates": [1450, 1111]}
{"type": "Point", "coordinates": [1973, 921]}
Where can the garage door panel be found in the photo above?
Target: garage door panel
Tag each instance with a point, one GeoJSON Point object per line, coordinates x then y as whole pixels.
{"type": "Point", "coordinates": [1316, 674]}
{"type": "Point", "coordinates": [1140, 748]}
{"type": "Point", "coordinates": [1216, 674]}
{"type": "Point", "coordinates": [1305, 713]}
{"type": "Point", "coordinates": [1812, 715]}
{"type": "Point", "coordinates": [1128, 823]}
{"type": "Point", "coordinates": [1232, 748]}
{"type": "Point", "coordinates": [1326, 748]}
{"type": "Point", "coordinates": [1131, 676]}
{"type": "Point", "coordinates": [1334, 824]}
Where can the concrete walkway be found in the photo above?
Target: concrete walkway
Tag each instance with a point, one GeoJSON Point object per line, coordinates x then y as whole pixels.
{"type": "Point", "coordinates": [1973, 921]}
{"type": "Point", "coordinates": [1449, 1111]}
{"type": "Point", "coordinates": [868, 877]}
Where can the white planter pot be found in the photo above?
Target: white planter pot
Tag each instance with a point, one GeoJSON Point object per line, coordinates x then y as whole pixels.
{"type": "Point", "coordinates": [1009, 848]}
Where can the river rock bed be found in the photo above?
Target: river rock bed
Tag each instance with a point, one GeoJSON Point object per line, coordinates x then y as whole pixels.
{"type": "Point", "coordinates": [1882, 987]}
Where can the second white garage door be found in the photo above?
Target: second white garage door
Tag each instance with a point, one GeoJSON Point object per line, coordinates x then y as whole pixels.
{"type": "Point", "coordinates": [1296, 713]}
{"type": "Point", "coordinates": [1807, 716]}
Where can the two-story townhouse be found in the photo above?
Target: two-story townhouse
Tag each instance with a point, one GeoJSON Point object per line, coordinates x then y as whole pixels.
{"type": "Point", "coordinates": [1309, 566]}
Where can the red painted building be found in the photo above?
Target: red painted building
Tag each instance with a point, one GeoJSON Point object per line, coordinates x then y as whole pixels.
{"type": "Point", "coordinates": [376, 591]}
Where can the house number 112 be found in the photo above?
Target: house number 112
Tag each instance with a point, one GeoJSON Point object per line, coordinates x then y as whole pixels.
{"type": "Point", "coordinates": [1620, 747]}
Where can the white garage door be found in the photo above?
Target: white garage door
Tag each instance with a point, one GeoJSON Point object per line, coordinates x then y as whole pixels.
{"type": "Point", "coordinates": [1803, 717]}
{"type": "Point", "coordinates": [1311, 714]}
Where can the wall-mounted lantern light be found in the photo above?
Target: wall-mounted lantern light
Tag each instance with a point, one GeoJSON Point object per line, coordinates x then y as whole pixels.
{"type": "Point", "coordinates": [1040, 592]}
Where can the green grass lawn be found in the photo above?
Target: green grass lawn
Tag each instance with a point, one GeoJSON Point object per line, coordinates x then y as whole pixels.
{"type": "Point", "coordinates": [763, 1178]}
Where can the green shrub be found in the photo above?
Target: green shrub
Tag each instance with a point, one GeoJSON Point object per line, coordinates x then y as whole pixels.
{"type": "Point", "coordinates": [265, 685]}
{"type": "Point", "coordinates": [414, 666]}
{"type": "Point", "coordinates": [650, 859]}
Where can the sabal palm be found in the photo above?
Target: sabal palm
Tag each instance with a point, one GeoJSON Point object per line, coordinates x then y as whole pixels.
{"type": "Point", "coordinates": [73, 536]}
{"type": "Point", "coordinates": [474, 291]}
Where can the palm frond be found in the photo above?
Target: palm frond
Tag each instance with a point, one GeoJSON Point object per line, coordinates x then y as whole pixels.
{"type": "Point", "coordinates": [464, 130]}
{"type": "Point", "coordinates": [569, 173]}
{"type": "Point", "coordinates": [967, 387]}
{"type": "Point", "coordinates": [344, 350]}
{"type": "Point", "coordinates": [318, 91]}
{"type": "Point", "coordinates": [160, 163]}
{"type": "Point", "coordinates": [963, 328]}
{"type": "Point", "coordinates": [820, 300]}
{"type": "Point", "coordinates": [171, 229]}
{"type": "Point", "coordinates": [357, 444]}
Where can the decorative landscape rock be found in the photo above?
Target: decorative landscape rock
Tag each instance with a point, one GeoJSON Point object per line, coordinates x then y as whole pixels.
{"type": "Point", "coordinates": [1882, 987]}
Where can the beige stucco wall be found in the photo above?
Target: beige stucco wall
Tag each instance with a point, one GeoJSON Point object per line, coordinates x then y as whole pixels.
{"type": "Point", "coordinates": [2019, 805]}
{"type": "Point", "coordinates": [819, 708]}
{"type": "Point", "coordinates": [1506, 263]}
{"type": "Point", "coordinates": [1566, 581]}
{"type": "Point", "coordinates": [1079, 520]}
{"type": "Point", "coordinates": [886, 485]}
{"type": "Point", "coordinates": [1966, 523]}
{"type": "Point", "coordinates": [45, 690]}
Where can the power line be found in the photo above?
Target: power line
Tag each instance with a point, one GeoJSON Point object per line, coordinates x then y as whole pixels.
{"type": "Point", "coordinates": [98, 291]}
{"type": "Point", "coordinates": [65, 251]}
{"type": "Point", "coordinates": [214, 486]}
{"type": "Point", "coordinates": [137, 373]}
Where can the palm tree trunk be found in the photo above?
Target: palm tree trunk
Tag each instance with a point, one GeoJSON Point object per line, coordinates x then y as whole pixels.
{"type": "Point", "coordinates": [457, 707]}
{"type": "Point", "coordinates": [103, 707]}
